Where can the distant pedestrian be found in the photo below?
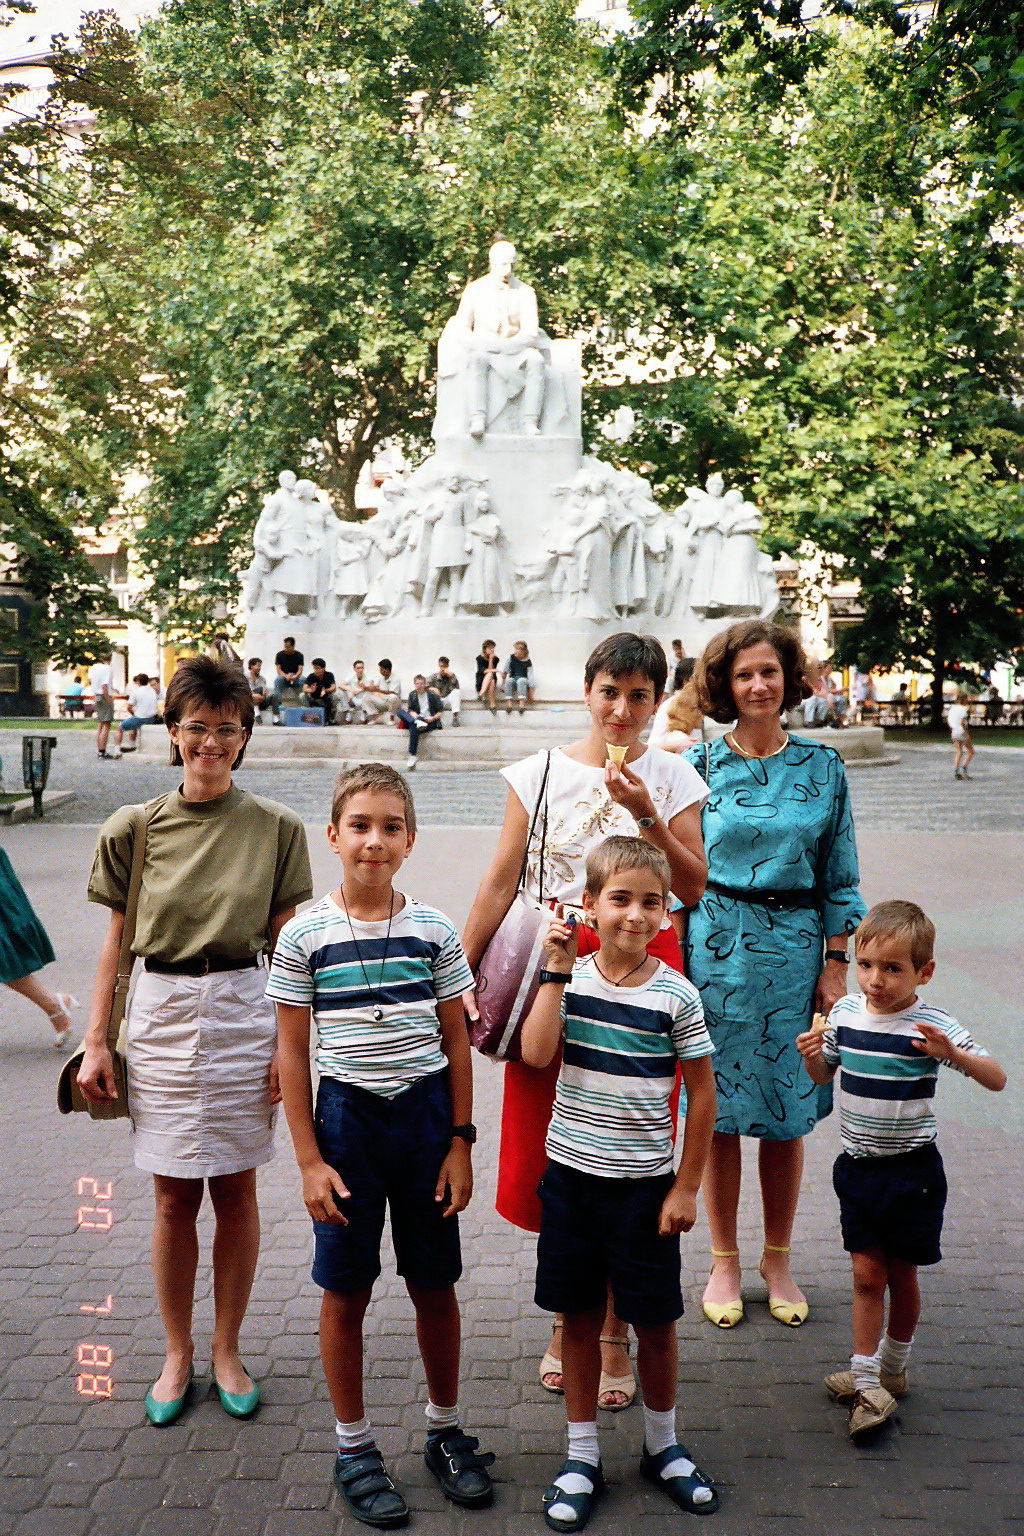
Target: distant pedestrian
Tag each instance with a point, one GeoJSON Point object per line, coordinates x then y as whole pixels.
{"type": "Point", "coordinates": [963, 747]}
{"type": "Point", "coordinates": [261, 698]}
{"type": "Point", "coordinates": [517, 678]}
{"type": "Point", "coordinates": [888, 1046]}
{"type": "Point", "coordinates": [101, 681]}
{"type": "Point", "coordinates": [288, 664]}
{"type": "Point", "coordinates": [421, 714]}
{"type": "Point", "coordinates": [24, 949]}
{"type": "Point", "coordinates": [487, 675]}
{"type": "Point", "coordinates": [993, 706]}
{"type": "Point", "coordinates": [143, 702]}
{"type": "Point", "coordinates": [221, 649]}
{"type": "Point", "coordinates": [446, 685]}
{"type": "Point", "coordinates": [73, 700]}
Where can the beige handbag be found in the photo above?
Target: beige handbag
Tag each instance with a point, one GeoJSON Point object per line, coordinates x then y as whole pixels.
{"type": "Point", "coordinates": [70, 1097]}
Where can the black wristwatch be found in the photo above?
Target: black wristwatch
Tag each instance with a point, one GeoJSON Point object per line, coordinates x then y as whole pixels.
{"type": "Point", "coordinates": [560, 978]}
{"type": "Point", "coordinates": [645, 823]}
{"type": "Point", "coordinates": [839, 955]}
{"type": "Point", "coordinates": [465, 1132]}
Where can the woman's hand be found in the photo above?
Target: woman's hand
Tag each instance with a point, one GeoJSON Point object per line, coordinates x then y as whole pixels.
{"type": "Point", "coordinates": [561, 943]}
{"type": "Point", "coordinates": [322, 1190]}
{"type": "Point", "coordinates": [628, 790]}
{"type": "Point", "coordinates": [831, 987]}
{"type": "Point", "coordinates": [96, 1075]}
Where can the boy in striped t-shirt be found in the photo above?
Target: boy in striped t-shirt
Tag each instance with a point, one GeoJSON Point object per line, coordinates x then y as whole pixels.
{"type": "Point", "coordinates": [383, 976]}
{"type": "Point", "coordinates": [888, 1046]}
{"type": "Point", "coordinates": [611, 1207]}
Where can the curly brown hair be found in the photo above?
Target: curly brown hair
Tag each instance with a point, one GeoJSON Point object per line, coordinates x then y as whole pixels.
{"type": "Point", "coordinates": [203, 681]}
{"type": "Point", "coordinates": [711, 683]}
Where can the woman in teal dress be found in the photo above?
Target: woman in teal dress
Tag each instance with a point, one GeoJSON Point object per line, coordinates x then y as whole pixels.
{"type": "Point", "coordinates": [24, 949]}
{"type": "Point", "coordinates": [767, 945]}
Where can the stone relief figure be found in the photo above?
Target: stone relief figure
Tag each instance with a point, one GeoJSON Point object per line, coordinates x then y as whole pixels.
{"type": "Point", "coordinates": [737, 578]}
{"type": "Point", "coordinates": [449, 554]}
{"type": "Point", "coordinates": [323, 524]}
{"type": "Point", "coordinates": [704, 542]}
{"type": "Point", "coordinates": [583, 546]}
{"type": "Point", "coordinates": [678, 566]}
{"type": "Point", "coordinates": [487, 583]}
{"type": "Point", "coordinates": [388, 534]}
{"type": "Point", "coordinates": [350, 572]}
{"type": "Point", "coordinates": [496, 342]}
{"type": "Point", "coordinates": [267, 546]}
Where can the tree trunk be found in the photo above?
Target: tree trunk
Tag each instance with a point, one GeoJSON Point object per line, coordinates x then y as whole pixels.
{"type": "Point", "coordinates": [938, 678]}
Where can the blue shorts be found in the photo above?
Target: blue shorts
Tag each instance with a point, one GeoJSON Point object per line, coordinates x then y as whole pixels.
{"type": "Point", "coordinates": [598, 1232]}
{"type": "Point", "coordinates": [389, 1153]}
{"type": "Point", "coordinates": [893, 1203]}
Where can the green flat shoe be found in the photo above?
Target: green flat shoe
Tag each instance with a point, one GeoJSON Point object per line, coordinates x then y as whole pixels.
{"type": "Point", "coordinates": [159, 1413]}
{"type": "Point", "coordinates": [240, 1405]}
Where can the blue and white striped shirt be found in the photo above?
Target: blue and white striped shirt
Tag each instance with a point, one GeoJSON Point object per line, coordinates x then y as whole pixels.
{"type": "Point", "coordinates": [611, 1114]}
{"type": "Point", "coordinates": [317, 963]}
{"type": "Point", "coordinates": [886, 1085]}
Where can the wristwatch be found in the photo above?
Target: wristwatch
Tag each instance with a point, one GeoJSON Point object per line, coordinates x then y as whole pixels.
{"type": "Point", "coordinates": [465, 1132]}
{"type": "Point", "coordinates": [838, 955]}
{"type": "Point", "coordinates": [560, 978]}
{"type": "Point", "coordinates": [645, 823]}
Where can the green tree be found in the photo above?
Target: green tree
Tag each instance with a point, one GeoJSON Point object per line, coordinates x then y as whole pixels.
{"type": "Point", "coordinates": [276, 214]}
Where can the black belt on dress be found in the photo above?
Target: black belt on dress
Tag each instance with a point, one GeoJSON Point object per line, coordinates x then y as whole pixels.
{"type": "Point", "coordinates": [775, 900]}
{"type": "Point", "coordinates": [202, 965]}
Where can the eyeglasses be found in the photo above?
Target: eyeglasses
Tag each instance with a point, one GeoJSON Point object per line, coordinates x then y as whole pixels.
{"type": "Point", "coordinates": [194, 733]}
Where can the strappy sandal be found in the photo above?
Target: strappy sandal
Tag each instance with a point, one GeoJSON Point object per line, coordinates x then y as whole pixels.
{"type": "Point", "coordinates": [624, 1386]}
{"type": "Point", "coordinates": [363, 1482]}
{"type": "Point", "coordinates": [581, 1503]}
{"type": "Point", "coordinates": [67, 1002]}
{"type": "Point", "coordinates": [790, 1313]}
{"type": "Point", "coordinates": [725, 1314]}
{"type": "Point", "coordinates": [680, 1489]}
{"type": "Point", "coordinates": [551, 1365]}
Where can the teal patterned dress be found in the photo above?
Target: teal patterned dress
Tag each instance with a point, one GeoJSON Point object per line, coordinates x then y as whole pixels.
{"type": "Point", "coordinates": [773, 824]}
{"type": "Point", "coordinates": [24, 946]}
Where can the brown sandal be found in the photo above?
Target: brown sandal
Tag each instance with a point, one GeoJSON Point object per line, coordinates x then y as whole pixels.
{"type": "Point", "coordinates": [551, 1366]}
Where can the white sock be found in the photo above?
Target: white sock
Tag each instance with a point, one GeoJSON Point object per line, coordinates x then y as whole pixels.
{"type": "Point", "coordinates": [865, 1372]}
{"type": "Point", "coordinates": [893, 1354]}
{"type": "Point", "coordinates": [352, 1437]}
{"type": "Point", "coordinates": [583, 1446]}
{"type": "Point", "coordinates": [441, 1418]}
{"type": "Point", "coordinates": [659, 1429]}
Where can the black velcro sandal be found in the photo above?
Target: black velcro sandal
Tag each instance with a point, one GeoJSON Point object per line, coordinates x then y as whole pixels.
{"type": "Point", "coordinates": [461, 1471]}
{"type": "Point", "coordinates": [363, 1482]}
{"type": "Point", "coordinates": [582, 1503]}
{"type": "Point", "coordinates": [679, 1489]}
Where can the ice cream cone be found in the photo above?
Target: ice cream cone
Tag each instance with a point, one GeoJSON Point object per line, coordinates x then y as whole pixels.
{"type": "Point", "coordinates": [819, 1024]}
{"type": "Point", "coordinates": [616, 755]}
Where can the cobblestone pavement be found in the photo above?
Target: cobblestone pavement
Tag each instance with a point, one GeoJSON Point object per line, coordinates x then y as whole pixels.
{"type": "Point", "coordinates": [917, 794]}
{"type": "Point", "coordinates": [76, 1298]}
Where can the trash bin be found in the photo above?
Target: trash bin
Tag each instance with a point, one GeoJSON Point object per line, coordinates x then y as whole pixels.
{"type": "Point", "coordinates": [35, 766]}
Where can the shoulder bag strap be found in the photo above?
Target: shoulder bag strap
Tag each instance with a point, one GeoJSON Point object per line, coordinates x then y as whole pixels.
{"type": "Point", "coordinates": [541, 805]}
{"type": "Point", "coordinates": [126, 959]}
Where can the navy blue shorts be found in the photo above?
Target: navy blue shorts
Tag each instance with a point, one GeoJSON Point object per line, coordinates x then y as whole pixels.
{"type": "Point", "coordinates": [598, 1232]}
{"type": "Point", "coordinates": [892, 1203]}
{"type": "Point", "coordinates": [389, 1153]}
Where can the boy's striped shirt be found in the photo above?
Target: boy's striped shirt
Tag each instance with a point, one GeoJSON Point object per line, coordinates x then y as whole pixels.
{"type": "Point", "coordinates": [886, 1085]}
{"type": "Point", "coordinates": [317, 963]}
{"type": "Point", "coordinates": [611, 1115]}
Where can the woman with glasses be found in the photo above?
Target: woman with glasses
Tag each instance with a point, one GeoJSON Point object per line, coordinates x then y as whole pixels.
{"type": "Point", "coordinates": [223, 871]}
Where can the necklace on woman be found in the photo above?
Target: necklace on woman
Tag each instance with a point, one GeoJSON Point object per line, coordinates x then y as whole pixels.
{"type": "Point", "coordinates": [378, 1011]}
{"type": "Point", "coordinates": [732, 742]}
{"type": "Point", "coordinates": [622, 979]}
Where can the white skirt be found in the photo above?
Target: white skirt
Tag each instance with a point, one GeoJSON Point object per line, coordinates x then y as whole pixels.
{"type": "Point", "coordinates": [199, 1050]}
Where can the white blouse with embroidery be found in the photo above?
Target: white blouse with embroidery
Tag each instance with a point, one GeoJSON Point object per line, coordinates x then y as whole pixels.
{"type": "Point", "coordinates": [580, 812]}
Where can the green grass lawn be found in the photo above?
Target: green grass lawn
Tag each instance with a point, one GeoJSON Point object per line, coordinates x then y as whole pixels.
{"type": "Point", "coordinates": [30, 725]}
{"type": "Point", "coordinates": [982, 736]}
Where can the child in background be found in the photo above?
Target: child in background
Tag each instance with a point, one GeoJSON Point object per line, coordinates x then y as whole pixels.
{"type": "Point", "coordinates": [383, 976]}
{"type": "Point", "coordinates": [889, 1176]}
{"type": "Point", "coordinates": [612, 1210]}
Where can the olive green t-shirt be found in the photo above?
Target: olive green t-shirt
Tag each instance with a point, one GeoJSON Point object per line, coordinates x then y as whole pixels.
{"type": "Point", "coordinates": [215, 873]}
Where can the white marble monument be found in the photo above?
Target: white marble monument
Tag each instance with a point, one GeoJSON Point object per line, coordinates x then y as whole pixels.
{"type": "Point", "coordinates": [507, 530]}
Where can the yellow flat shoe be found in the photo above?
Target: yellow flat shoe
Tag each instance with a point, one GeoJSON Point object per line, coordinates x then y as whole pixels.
{"type": "Point", "coordinates": [724, 1314]}
{"type": "Point", "coordinates": [790, 1313]}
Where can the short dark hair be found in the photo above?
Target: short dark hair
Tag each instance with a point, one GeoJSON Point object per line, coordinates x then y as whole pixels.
{"type": "Point", "coordinates": [712, 685]}
{"type": "Point", "coordinates": [618, 853]}
{"type": "Point", "coordinates": [486, 643]}
{"type": "Point", "coordinates": [379, 778]}
{"type": "Point", "coordinates": [203, 681]}
{"type": "Point", "coordinates": [683, 672]}
{"type": "Point", "coordinates": [289, 639]}
{"type": "Point", "coordinates": [443, 661]}
{"type": "Point", "coordinates": [626, 652]}
{"type": "Point", "coordinates": [421, 675]}
{"type": "Point", "coordinates": [359, 662]}
{"type": "Point", "coordinates": [318, 661]}
{"type": "Point", "coordinates": [384, 662]}
{"type": "Point", "coordinates": [255, 661]}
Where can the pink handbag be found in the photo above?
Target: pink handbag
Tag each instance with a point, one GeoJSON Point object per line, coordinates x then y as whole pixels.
{"type": "Point", "coordinates": [508, 975]}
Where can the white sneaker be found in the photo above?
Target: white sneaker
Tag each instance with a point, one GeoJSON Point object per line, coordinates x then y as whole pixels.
{"type": "Point", "coordinates": [411, 762]}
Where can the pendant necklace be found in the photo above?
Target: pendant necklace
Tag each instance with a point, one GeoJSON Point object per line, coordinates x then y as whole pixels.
{"type": "Point", "coordinates": [621, 979]}
{"type": "Point", "coordinates": [378, 1011]}
{"type": "Point", "coordinates": [757, 756]}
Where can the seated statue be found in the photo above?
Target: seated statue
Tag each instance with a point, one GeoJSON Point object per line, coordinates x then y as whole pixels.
{"type": "Point", "coordinates": [495, 339]}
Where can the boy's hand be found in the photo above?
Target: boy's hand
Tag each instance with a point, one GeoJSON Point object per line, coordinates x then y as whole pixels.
{"type": "Point", "coordinates": [455, 1178]}
{"type": "Point", "coordinates": [320, 1185]}
{"type": "Point", "coordinates": [936, 1043]}
{"type": "Point", "coordinates": [561, 943]}
{"type": "Point", "coordinates": [678, 1212]}
{"type": "Point", "coordinates": [275, 1080]}
{"type": "Point", "coordinates": [809, 1044]}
